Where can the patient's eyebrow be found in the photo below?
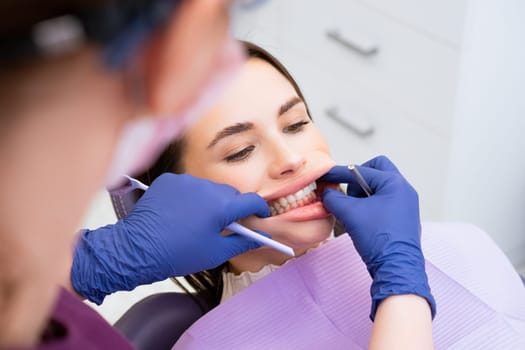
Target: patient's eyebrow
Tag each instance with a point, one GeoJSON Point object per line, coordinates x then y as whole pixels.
{"type": "Point", "coordinates": [230, 130]}
{"type": "Point", "coordinates": [285, 107]}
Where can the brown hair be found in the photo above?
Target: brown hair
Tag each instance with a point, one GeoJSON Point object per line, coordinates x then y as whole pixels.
{"type": "Point", "coordinates": [208, 283]}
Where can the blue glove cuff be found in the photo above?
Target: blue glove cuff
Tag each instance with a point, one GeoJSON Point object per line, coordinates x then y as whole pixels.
{"type": "Point", "coordinates": [107, 260]}
{"type": "Point", "coordinates": [422, 290]}
{"type": "Point", "coordinates": [396, 279]}
{"type": "Point", "coordinates": [83, 271]}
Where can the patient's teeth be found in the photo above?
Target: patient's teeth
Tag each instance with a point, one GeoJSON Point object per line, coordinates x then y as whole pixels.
{"type": "Point", "coordinates": [300, 198]}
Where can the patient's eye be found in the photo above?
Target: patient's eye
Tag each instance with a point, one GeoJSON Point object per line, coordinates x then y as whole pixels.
{"type": "Point", "coordinates": [241, 155]}
{"type": "Point", "coordinates": [296, 127]}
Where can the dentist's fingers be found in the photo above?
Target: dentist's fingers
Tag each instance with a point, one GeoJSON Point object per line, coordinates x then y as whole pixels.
{"type": "Point", "coordinates": [236, 244]}
{"type": "Point", "coordinates": [376, 179]}
{"type": "Point", "coordinates": [338, 174]}
{"type": "Point", "coordinates": [248, 204]}
{"type": "Point", "coordinates": [339, 204]}
{"type": "Point", "coordinates": [341, 173]}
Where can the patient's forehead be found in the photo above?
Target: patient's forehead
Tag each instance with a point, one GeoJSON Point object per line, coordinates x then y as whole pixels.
{"type": "Point", "coordinates": [256, 93]}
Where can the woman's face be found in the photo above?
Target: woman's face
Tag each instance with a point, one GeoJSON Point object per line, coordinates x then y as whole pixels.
{"type": "Point", "coordinates": [259, 138]}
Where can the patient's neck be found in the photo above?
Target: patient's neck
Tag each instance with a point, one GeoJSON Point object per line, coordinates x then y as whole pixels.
{"type": "Point", "coordinates": [255, 260]}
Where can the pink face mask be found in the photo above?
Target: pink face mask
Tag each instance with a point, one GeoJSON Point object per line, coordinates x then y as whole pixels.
{"type": "Point", "coordinates": [143, 139]}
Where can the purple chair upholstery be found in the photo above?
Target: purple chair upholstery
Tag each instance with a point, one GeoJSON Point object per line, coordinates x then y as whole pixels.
{"type": "Point", "coordinates": [157, 321]}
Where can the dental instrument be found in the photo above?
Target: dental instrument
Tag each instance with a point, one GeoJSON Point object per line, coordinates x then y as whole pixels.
{"type": "Point", "coordinates": [234, 226]}
{"type": "Point", "coordinates": [360, 180]}
{"type": "Point", "coordinates": [242, 230]}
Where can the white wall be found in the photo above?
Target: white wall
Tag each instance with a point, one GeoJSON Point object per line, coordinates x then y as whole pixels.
{"type": "Point", "coordinates": [487, 164]}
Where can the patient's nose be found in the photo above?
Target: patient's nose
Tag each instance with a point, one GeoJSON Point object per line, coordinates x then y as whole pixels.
{"type": "Point", "coordinates": [285, 162]}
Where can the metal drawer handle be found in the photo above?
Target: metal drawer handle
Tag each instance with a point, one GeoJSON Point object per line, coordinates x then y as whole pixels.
{"type": "Point", "coordinates": [358, 44]}
{"type": "Point", "coordinates": [360, 128]}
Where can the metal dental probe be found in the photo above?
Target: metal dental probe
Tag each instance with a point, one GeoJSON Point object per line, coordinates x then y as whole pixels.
{"type": "Point", "coordinates": [360, 180]}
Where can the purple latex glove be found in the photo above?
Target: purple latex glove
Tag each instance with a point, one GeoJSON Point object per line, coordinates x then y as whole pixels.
{"type": "Point", "coordinates": [385, 228]}
{"type": "Point", "coordinates": [173, 230]}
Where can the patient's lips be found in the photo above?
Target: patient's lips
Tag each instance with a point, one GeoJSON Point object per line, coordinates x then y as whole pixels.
{"type": "Point", "coordinates": [299, 198]}
{"type": "Point", "coordinates": [304, 204]}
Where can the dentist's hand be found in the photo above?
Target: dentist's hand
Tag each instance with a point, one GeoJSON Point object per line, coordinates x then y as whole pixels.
{"type": "Point", "coordinates": [173, 230]}
{"type": "Point", "coordinates": [385, 228]}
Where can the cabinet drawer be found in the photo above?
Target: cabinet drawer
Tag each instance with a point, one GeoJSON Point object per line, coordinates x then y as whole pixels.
{"type": "Point", "coordinates": [410, 71]}
{"type": "Point", "coordinates": [440, 20]}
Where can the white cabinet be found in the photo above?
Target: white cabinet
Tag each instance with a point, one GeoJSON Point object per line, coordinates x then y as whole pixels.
{"type": "Point", "coordinates": [441, 21]}
{"type": "Point", "coordinates": [393, 67]}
